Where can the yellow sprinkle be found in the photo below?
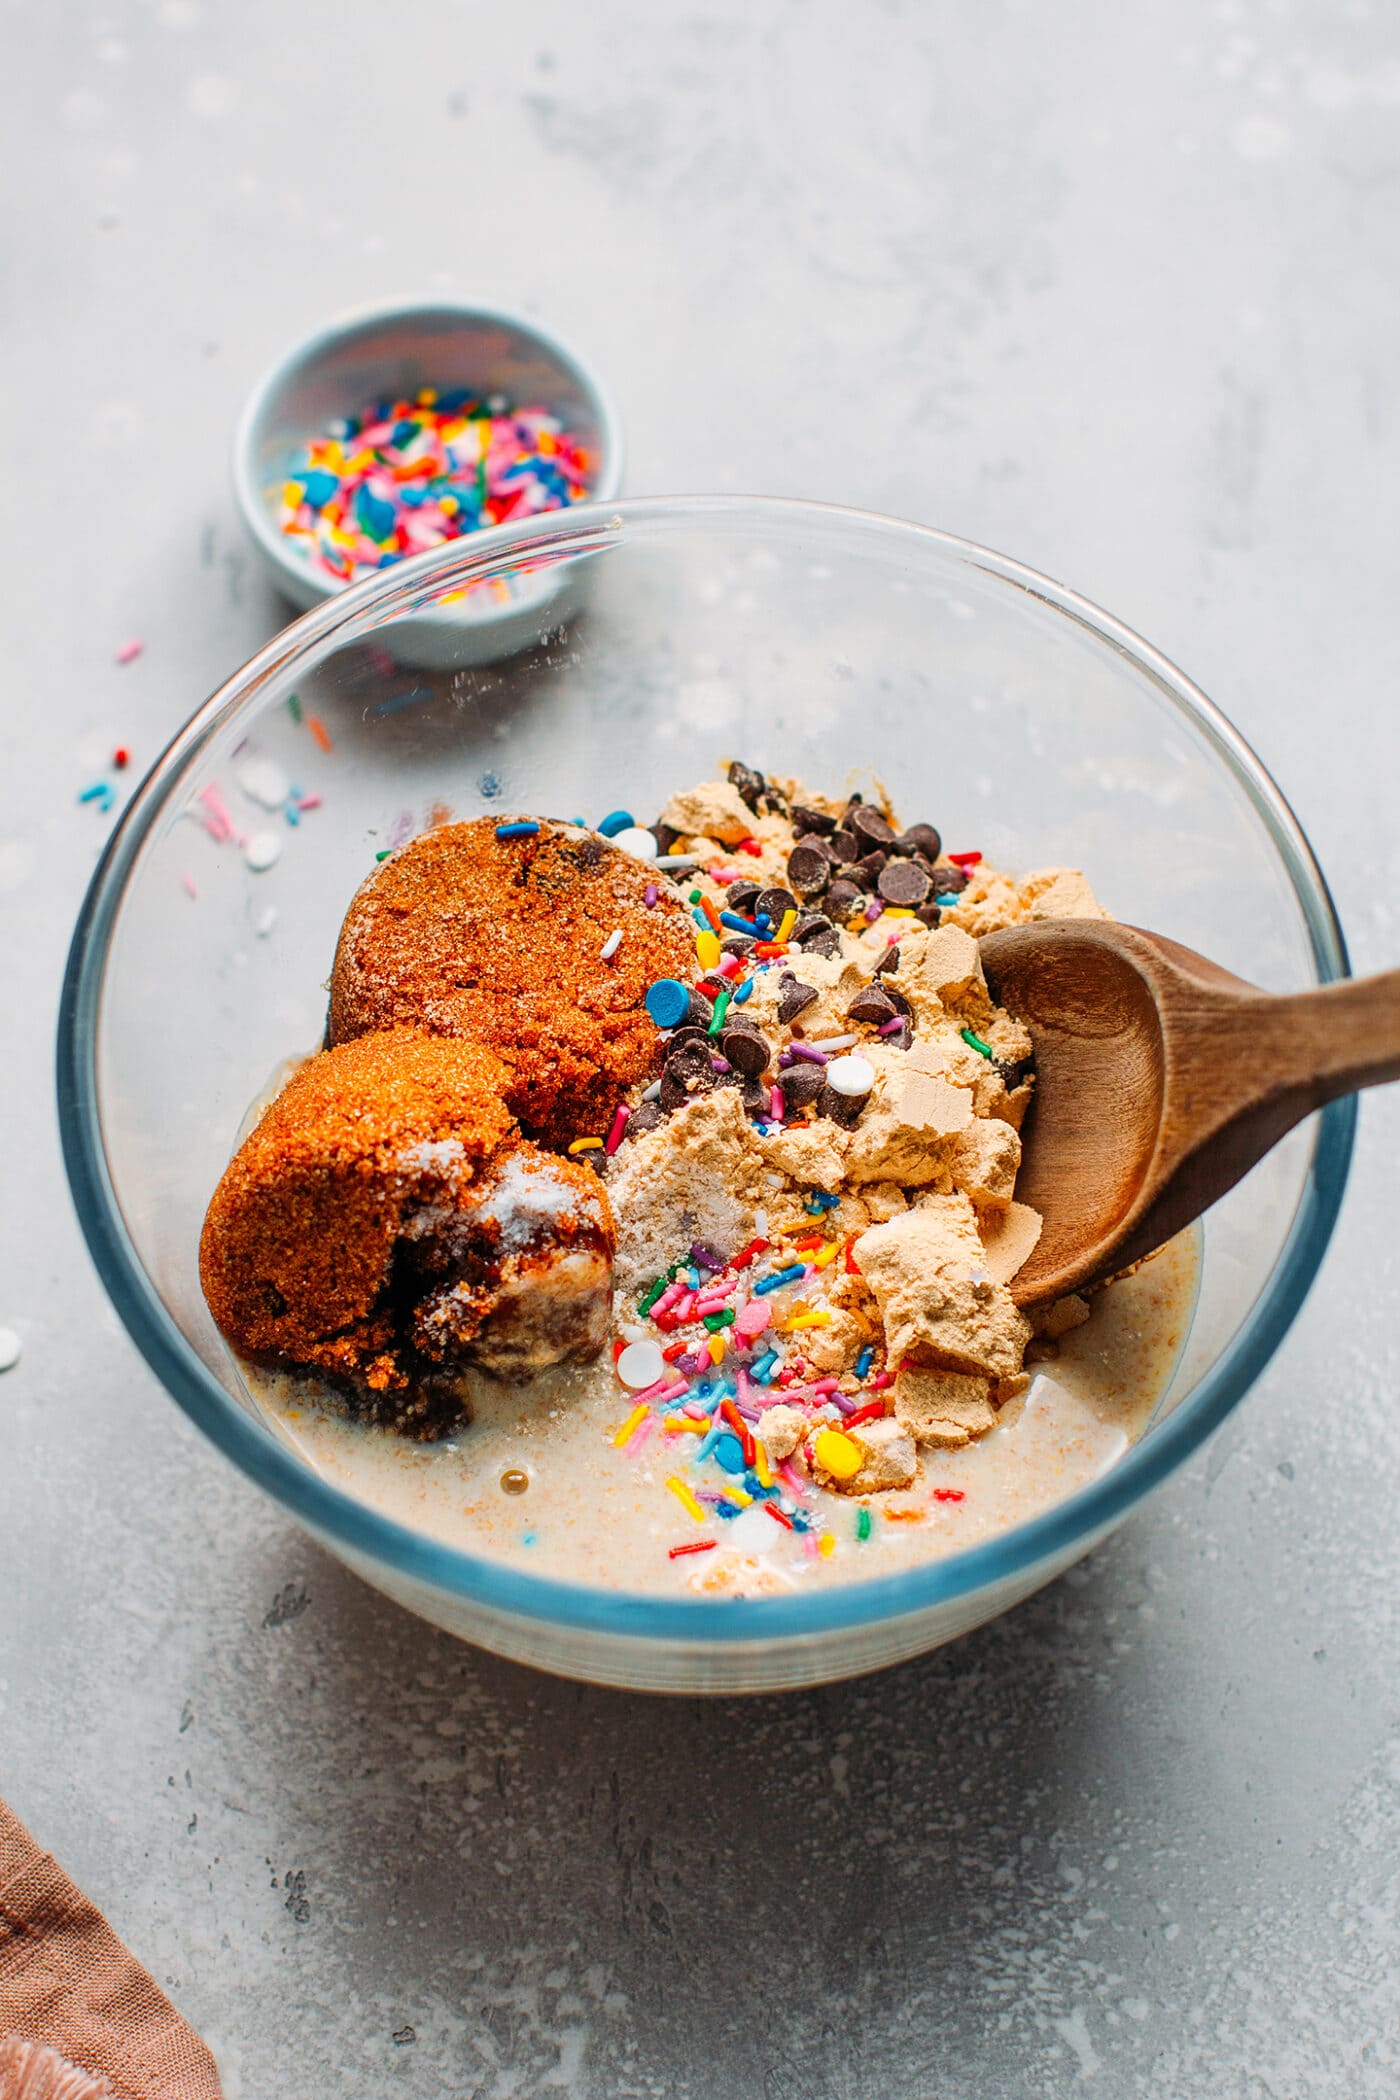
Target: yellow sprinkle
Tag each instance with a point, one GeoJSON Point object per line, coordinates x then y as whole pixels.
{"type": "Point", "coordinates": [585, 1144]}
{"type": "Point", "coordinates": [785, 925]}
{"type": "Point", "coordinates": [807, 1320]}
{"type": "Point", "coordinates": [685, 1498]}
{"type": "Point", "coordinates": [761, 1465]}
{"type": "Point", "coordinates": [738, 1496]}
{"type": "Point", "coordinates": [292, 493]}
{"type": "Point", "coordinates": [707, 947]}
{"type": "Point", "coordinates": [828, 1253]}
{"type": "Point", "coordinates": [716, 1348]}
{"type": "Point", "coordinates": [427, 396]}
{"type": "Point", "coordinates": [634, 1421]}
{"type": "Point", "coordinates": [837, 1454]}
{"type": "Point", "coordinates": [899, 911]}
{"type": "Point", "coordinates": [675, 1422]}
{"type": "Point", "coordinates": [826, 1545]}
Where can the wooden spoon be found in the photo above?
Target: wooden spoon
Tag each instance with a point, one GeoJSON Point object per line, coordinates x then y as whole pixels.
{"type": "Point", "coordinates": [1160, 1080]}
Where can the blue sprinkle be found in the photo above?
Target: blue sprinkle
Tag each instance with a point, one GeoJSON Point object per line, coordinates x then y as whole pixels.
{"type": "Point", "coordinates": [728, 1510]}
{"type": "Point", "coordinates": [729, 1452]}
{"type": "Point", "coordinates": [528, 1538]}
{"type": "Point", "coordinates": [824, 1202]}
{"type": "Point", "coordinates": [699, 917]}
{"type": "Point", "coordinates": [374, 515]}
{"type": "Point", "coordinates": [489, 785]}
{"type": "Point", "coordinates": [98, 792]}
{"type": "Point", "coordinates": [777, 1281]}
{"type": "Point", "coordinates": [618, 820]}
{"type": "Point", "coordinates": [516, 831]}
{"type": "Point", "coordinates": [403, 434]}
{"type": "Point", "coordinates": [319, 487]}
{"type": "Point", "coordinates": [667, 1001]}
{"type": "Point", "coordinates": [799, 1522]}
{"type": "Point", "coordinates": [943, 902]}
{"type": "Point", "coordinates": [743, 992]}
{"type": "Point", "coordinates": [292, 814]}
{"type": "Point", "coordinates": [738, 922]}
{"type": "Point", "coordinates": [710, 1439]}
{"type": "Point", "coordinates": [865, 1360]}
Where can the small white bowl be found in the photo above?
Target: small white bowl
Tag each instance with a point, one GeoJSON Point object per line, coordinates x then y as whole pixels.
{"type": "Point", "coordinates": [393, 351]}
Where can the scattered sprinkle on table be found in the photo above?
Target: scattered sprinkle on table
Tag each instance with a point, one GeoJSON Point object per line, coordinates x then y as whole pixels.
{"type": "Point", "coordinates": [11, 1349]}
{"type": "Point", "coordinates": [405, 475]}
{"type": "Point", "coordinates": [129, 651]}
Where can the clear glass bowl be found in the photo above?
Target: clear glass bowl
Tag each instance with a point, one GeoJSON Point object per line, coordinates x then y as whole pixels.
{"type": "Point", "coordinates": [804, 639]}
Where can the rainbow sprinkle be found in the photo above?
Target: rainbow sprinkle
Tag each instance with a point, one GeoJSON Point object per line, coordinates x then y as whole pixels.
{"type": "Point", "coordinates": [403, 476]}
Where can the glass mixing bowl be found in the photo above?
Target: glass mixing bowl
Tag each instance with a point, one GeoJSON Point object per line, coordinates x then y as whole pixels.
{"type": "Point", "coordinates": [806, 640]}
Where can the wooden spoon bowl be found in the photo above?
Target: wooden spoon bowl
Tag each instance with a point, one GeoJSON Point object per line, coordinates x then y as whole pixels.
{"type": "Point", "coordinates": [1160, 1081]}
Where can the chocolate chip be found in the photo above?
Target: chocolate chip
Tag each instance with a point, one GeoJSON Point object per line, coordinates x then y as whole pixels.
{"type": "Point", "coordinates": [897, 999]}
{"type": "Point", "coordinates": [819, 937]}
{"type": "Point", "coordinates": [801, 1083]}
{"type": "Point", "coordinates": [687, 1033]}
{"type": "Point", "coordinates": [871, 828]}
{"type": "Point", "coordinates": [747, 1050]}
{"type": "Point", "coordinates": [689, 1071]}
{"type": "Point", "coordinates": [813, 820]}
{"type": "Point", "coordinates": [750, 785]}
{"type": "Point", "coordinates": [1014, 1073]}
{"type": "Point", "coordinates": [949, 881]}
{"type": "Point", "coordinates": [889, 961]}
{"type": "Point", "coordinates": [809, 870]}
{"type": "Point", "coordinates": [902, 882]}
{"type": "Point", "coordinates": [700, 1010]}
{"type": "Point", "coordinates": [867, 872]}
{"type": "Point", "coordinates": [841, 898]}
{"type": "Point", "coordinates": [692, 1060]}
{"type": "Point", "coordinates": [853, 803]}
{"type": "Point", "coordinates": [752, 1092]}
{"type": "Point", "coordinates": [648, 1116]}
{"type": "Point", "coordinates": [929, 913]}
{"type": "Point", "coordinates": [774, 903]}
{"type": "Point", "coordinates": [840, 1107]}
{"type": "Point", "coordinates": [919, 838]}
{"type": "Point", "coordinates": [742, 896]}
{"type": "Point", "coordinates": [871, 1004]}
{"type": "Point", "coordinates": [843, 846]}
{"type": "Point", "coordinates": [737, 944]}
{"type": "Point", "coordinates": [589, 852]}
{"type": "Point", "coordinates": [900, 1038]}
{"type": "Point", "coordinates": [794, 998]}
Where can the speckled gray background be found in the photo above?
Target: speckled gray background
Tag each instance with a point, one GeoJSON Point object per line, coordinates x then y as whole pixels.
{"type": "Point", "coordinates": [1111, 287]}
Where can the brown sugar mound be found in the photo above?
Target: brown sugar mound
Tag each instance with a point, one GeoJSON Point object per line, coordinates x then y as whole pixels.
{"type": "Point", "coordinates": [464, 934]}
{"type": "Point", "coordinates": [297, 1252]}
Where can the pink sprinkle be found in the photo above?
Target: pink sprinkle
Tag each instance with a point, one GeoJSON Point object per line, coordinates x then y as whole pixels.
{"type": "Point", "coordinates": [729, 966]}
{"type": "Point", "coordinates": [891, 940]}
{"type": "Point", "coordinates": [639, 1435]}
{"type": "Point", "coordinates": [881, 1379]}
{"type": "Point", "coordinates": [790, 1477]}
{"type": "Point", "coordinates": [650, 896]}
{"type": "Point", "coordinates": [671, 1392]}
{"type": "Point", "coordinates": [825, 1385]}
{"type": "Point", "coordinates": [753, 1318]}
{"type": "Point", "coordinates": [619, 1124]}
{"type": "Point", "coordinates": [308, 801]}
{"type": "Point", "coordinates": [403, 824]}
{"type": "Point", "coordinates": [685, 1308]}
{"type": "Point", "coordinates": [129, 651]}
{"type": "Point", "coordinates": [777, 1107]}
{"type": "Point", "coordinates": [747, 1398]}
{"type": "Point", "coordinates": [809, 1542]}
{"type": "Point", "coordinates": [672, 1295]}
{"type": "Point", "coordinates": [725, 875]}
{"type": "Point", "coordinates": [697, 1411]}
{"type": "Point", "coordinates": [189, 885]}
{"type": "Point", "coordinates": [217, 821]}
{"type": "Point", "coordinates": [651, 1392]}
{"type": "Point", "coordinates": [872, 911]}
{"type": "Point", "coordinates": [892, 1027]}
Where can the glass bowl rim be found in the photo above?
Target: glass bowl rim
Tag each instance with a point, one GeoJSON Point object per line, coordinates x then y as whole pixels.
{"type": "Point", "coordinates": [344, 1522]}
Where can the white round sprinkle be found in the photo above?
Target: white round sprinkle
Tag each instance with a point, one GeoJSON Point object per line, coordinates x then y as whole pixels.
{"type": "Point", "coordinates": [263, 849]}
{"type": "Point", "coordinates": [637, 841]}
{"type": "Point", "coordinates": [640, 1364]}
{"type": "Point", "coordinates": [10, 1349]}
{"type": "Point", "coordinates": [851, 1076]}
{"type": "Point", "coordinates": [610, 945]}
{"type": "Point", "coordinates": [262, 780]}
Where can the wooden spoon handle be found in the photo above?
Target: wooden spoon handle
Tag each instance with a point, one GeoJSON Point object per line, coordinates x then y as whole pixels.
{"type": "Point", "coordinates": [1319, 1044]}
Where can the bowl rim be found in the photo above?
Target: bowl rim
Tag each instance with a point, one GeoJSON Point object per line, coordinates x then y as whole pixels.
{"type": "Point", "coordinates": [362, 320]}
{"type": "Point", "coordinates": [694, 1623]}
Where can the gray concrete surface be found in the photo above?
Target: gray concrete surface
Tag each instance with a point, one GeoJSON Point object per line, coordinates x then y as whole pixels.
{"type": "Point", "coordinates": [1114, 288]}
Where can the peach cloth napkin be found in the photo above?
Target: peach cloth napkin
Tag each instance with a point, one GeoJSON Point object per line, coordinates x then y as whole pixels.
{"type": "Point", "coordinates": [66, 1979]}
